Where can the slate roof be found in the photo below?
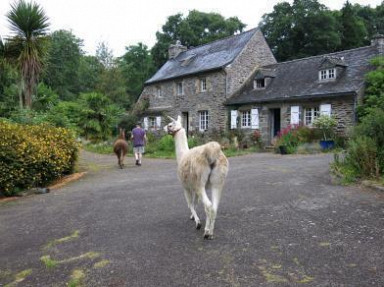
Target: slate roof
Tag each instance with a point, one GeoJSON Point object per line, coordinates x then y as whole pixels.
{"type": "Point", "coordinates": [211, 56]}
{"type": "Point", "coordinates": [299, 79]}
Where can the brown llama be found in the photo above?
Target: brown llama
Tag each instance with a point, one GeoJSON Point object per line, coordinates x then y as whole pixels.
{"type": "Point", "coordinates": [120, 147]}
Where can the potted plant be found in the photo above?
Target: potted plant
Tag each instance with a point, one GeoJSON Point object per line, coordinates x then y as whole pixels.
{"type": "Point", "coordinates": [326, 124]}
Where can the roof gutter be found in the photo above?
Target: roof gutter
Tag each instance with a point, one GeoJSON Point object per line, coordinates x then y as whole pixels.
{"type": "Point", "coordinates": [294, 98]}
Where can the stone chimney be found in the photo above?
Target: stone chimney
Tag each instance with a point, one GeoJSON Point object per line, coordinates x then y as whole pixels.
{"type": "Point", "coordinates": [175, 50]}
{"type": "Point", "coordinates": [378, 41]}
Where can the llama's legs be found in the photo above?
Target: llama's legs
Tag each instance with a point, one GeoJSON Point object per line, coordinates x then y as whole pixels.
{"type": "Point", "coordinates": [216, 195]}
{"type": "Point", "coordinates": [191, 201]}
{"type": "Point", "coordinates": [209, 212]}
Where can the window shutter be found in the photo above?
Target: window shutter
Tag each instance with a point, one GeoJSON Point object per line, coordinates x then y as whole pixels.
{"type": "Point", "coordinates": [146, 123]}
{"type": "Point", "coordinates": [233, 119]}
{"type": "Point", "coordinates": [295, 115]}
{"type": "Point", "coordinates": [254, 118]}
{"type": "Point", "coordinates": [325, 109]}
{"type": "Point", "coordinates": [158, 123]}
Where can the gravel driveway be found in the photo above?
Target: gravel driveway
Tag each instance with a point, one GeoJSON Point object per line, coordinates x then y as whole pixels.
{"type": "Point", "coordinates": [281, 222]}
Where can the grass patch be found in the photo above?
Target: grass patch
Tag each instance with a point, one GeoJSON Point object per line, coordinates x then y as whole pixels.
{"type": "Point", "coordinates": [19, 277]}
{"type": "Point", "coordinates": [74, 235]}
{"type": "Point", "coordinates": [89, 255]}
{"type": "Point", "coordinates": [101, 264]}
{"type": "Point", "coordinates": [77, 278]}
{"type": "Point", "coordinates": [48, 261]}
{"type": "Point", "coordinates": [163, 148]}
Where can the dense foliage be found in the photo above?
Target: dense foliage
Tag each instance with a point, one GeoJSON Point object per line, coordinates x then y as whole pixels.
{"type": "Point", "coordinates": [364, 157]}
{"type": "Point", "coordinates": [307, 28]}
{"type": "Point", "coordinates": [34, 155]}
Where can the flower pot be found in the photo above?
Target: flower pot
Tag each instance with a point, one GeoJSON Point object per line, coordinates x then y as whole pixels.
{"type": "Point", "coordinates": [283, 149]}
{"type": "Point", "coordinates": [329, 144]}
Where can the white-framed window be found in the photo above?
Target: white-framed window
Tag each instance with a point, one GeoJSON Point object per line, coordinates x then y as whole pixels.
{"type": "Point", "coordinates": [246, 119]}
{"type": "Point", "coordinates": [327, 74]}
{"type": "Point", "coordinates": [203, 85]}
{"type": "Point", "coordinates": [158, 92]}
{"type": "Point", "coordinates": [179, 88]}
{"type": "Point", "coordinates": [152, 122]}
{"type": "Point", "coordinates": [310, 114]}
{"type": "Point", "coordinates": [203, 120]}
{"type": "Point", "coordinates": [259, 84]}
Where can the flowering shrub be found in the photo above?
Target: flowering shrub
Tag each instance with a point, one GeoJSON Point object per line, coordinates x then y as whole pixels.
{"type": "Point", "coordinates": [288, 137]}
{"type": "Point", "coordinates": [34, 155]}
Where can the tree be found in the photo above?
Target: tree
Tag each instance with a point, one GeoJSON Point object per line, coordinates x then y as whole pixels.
{"type": "Point", "coordinates": [137, 66]}
{"type": "Point", "coordinates": [89, 73]}
{"type": "Point", "coordinates": [196, 29]}
{"type": "Point", "coordinates": [62, 73]}
{"type": "Point", "coordinates": [29, 23]}
{"type": "Point", "coordinates": [373, 19]}
{"type": "Point", "coordinates": [302, 29]}
{"type": "Point", "coordinates": [98, 116]}
{"type": "Point", "coordinates": [374, 93]}
{"type": "Point", "coordinates": [353, 31]}
{"type": "Point", "coordinates": [104, 55]}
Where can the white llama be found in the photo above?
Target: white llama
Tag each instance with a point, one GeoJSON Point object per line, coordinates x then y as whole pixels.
{"type": "Point", "coordinates": [200, 169]}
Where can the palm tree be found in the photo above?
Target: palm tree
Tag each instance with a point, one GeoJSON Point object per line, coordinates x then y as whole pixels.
{"type": "Point", "coordinates": [28, 46]}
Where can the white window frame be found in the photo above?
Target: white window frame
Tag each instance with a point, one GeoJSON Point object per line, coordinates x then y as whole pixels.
{"type": "Point", "coordinates": [327, 74]}
{"type": "Point", "coordinates": [203, 85]}
{"type": "Point", "coordinates": [310, 115]}
{"type": "Point", "coordinates": [245, 119]}
{"type": "Point", "coordinates": [179, 88]}
{"type": "Point", "coordinates": [203, 120]}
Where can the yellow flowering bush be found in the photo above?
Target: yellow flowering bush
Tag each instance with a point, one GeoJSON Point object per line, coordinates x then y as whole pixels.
{"type": "Point", "coordinates": [34, 155]}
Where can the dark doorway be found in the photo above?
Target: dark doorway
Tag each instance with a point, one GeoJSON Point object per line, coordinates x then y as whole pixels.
{"type": "Point", "coordinates": [185, 116]}
{"type": "Point", "coordinates": [276, 122]}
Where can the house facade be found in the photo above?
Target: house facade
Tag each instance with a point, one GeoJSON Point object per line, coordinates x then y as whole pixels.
{"type": "Point", "coordinates": [298, 91]}
{"type": "Point", "coordinates": [196, 82]}
{"type": "Point", "coordinates": [236, 83]}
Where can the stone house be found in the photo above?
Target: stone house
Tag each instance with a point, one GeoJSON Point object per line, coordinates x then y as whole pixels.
{"type": "Point", "coordinates": [236, 83]}
{"type": "Point", "coordinates": [296, 92]}
{"type": "Point", "coordinates": [196, 82]}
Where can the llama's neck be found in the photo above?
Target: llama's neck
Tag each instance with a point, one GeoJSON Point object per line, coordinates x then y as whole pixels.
{"type": "Point", "coordinates": [181, 144]}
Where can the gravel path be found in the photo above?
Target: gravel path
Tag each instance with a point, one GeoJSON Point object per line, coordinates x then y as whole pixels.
{"type": "Point", "coordinates": [281, 222]}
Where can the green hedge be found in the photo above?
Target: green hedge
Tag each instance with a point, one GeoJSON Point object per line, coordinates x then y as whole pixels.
{"type": "Point", "coordinates": [34, 155]}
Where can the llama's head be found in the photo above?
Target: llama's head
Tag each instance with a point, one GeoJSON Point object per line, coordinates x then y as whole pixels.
{"type": "Point", "coordinates": [174, 126]}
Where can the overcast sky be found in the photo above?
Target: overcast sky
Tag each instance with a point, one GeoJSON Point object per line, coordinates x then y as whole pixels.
{"type": "Point", "coordinates": [122, 23]}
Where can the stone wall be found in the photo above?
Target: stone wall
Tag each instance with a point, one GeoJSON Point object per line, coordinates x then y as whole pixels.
{"type": "Point", "coordinates": [256, 53]}
{"type": "Point", "coordinates": [342, 108]}
{"type": "Point", "coordinates": [193, 100]}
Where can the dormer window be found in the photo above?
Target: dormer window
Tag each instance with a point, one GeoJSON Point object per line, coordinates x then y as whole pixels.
{"type": "Point", "coordinates": [259, 84]}
{"type": "Point", "coordinates": [328, 74]}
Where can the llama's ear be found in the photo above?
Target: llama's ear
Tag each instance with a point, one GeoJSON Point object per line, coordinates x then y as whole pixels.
{"type": "Point", "coordinates": [172, 119]}
{"type": "Point", "coordinates": [179, 118]}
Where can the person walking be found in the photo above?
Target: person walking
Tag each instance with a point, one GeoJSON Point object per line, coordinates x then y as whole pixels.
{"type": "Point", "coordinates": [139, 139]}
